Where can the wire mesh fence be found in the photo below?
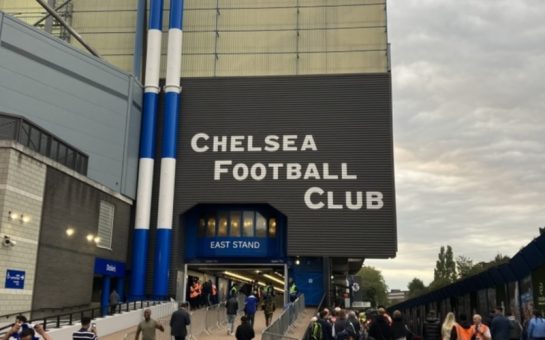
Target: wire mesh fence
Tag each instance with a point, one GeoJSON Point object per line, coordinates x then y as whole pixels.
{"type": "Point", "coordinates": [278, 329]}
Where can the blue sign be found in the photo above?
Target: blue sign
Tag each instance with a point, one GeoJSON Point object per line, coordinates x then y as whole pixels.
{"type": "Point", "coordinates": [109, 267]}
{"type": "Point", "coordinates": [234, 247]}
{"type": "Point", "coordinates": [15, 279]}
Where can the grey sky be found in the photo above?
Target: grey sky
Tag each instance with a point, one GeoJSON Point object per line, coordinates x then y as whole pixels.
{"type": "Point", "coordinates": [469, 129]}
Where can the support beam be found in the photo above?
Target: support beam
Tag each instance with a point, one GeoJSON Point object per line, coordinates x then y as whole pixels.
{"type": "Point", "coordinates": [68, 28]}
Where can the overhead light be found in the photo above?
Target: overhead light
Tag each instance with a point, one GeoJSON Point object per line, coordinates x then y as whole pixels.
{"type": "Point", "coordinates": [70, 232]}
{"type": "Point", "coordinates": [272, 278]}
{"type": "Point", "coordinates": [96, 239]}
{"type": "Point", "coordinates": [90, 237]}
{"type": "Point", "coordinates": [25, 218]}
{"type": "Point", "coordinates": [240, 277]}
{"type": "Point", "coordinates": [297, 261]}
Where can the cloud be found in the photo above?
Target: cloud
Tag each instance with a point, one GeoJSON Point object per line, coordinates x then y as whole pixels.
{"type": "Point", "coordinates": [469, 127]}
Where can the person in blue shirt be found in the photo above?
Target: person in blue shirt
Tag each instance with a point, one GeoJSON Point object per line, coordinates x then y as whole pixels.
{"type": "Point", "coordinates": [536, 327]}
{"type": "Point", "coordinates": [250, 307]}
{"type": "Point", "coordinates": [500, 327]}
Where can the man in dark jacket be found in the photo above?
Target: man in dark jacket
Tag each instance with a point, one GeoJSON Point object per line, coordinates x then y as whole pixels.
{"type": "Point", "coordinates": [500, 327]}
{"type": "Point", "coordinates": [380, 327]}
{"type": "Point", "coordinates": [232, 308]}
{"type": "Point", "coordinates": [327, 332]}
{"type": "Point", "coordinates": [432, 327]}
{"type": "Point", "coordinates": [244, 330]}
{"type": "Point", "coordinates": [179, 321]}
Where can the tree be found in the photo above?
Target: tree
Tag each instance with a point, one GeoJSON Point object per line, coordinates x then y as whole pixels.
{"type": "Point", "coordinates": [445, 268]}
{"type": "Point", "coordinates": [464, 265]}
{"type": "Point", "coordinates": [416, 288]}
{"type": "Point", "coordinates": [374, 287]}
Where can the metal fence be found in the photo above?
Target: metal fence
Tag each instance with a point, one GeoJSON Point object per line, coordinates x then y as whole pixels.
{"type": "Point", "coordinates": [203, 321]}
{"type": "Point", "coordinates": [278, 329]}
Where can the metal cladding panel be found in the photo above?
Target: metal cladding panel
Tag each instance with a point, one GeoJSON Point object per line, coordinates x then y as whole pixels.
{"type": "Point", "coordinates": [348, 119]}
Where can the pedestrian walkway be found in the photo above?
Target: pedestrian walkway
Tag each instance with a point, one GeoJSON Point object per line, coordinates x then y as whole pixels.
{"type": "Point", "coordinates": [296, 331]}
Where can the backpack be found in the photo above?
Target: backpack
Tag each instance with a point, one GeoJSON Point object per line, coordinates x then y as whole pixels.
{"type": "Point", "coordinates": [316, 331]}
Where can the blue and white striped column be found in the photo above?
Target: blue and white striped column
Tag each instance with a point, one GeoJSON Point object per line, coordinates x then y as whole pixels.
{"type": "Point", "coordinates": [147, 148]}
{"type": "Point", "coordinates": [168, 151]}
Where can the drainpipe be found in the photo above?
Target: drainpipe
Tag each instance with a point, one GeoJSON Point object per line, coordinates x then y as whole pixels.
{"type": "Point", "coordinates": [168, 152]}
{"type": "Point", "coordinates": [147, 150]}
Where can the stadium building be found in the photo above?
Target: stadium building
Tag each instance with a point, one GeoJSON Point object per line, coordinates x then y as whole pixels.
{"type": "Point", "coordinates": [274, 162]}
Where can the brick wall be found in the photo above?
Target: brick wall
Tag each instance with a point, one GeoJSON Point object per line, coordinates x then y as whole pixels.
{"type": "Point", "coordinates": [22, 180]}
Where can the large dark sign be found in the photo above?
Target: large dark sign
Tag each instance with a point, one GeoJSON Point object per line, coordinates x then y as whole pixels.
{"type": "Point", "coordinates": [317, 148]}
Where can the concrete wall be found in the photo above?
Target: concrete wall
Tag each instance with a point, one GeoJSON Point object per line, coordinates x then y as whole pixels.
{"type": "Point", "coordinates": [81, 99]}
{"type": "Point", "coordinates": [70, 203]}
{"type": "Point", "coordinates": [21, 193]}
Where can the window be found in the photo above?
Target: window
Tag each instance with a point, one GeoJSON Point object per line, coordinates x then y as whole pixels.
{"type": "Point", "coordinates": [234, 228]}
{"type": "Point", "coordinates": [272, 227]}
{"type": "Point", "coordinates": [211, 227]}
{"type": "Point", "coordinates": [248, 226]}
{"type": "Point", "coordinates": [105, 224]}
{"type": "Point", "coordinates": [260, 225]}
{"type": "Point", "coordinates": [202, 227]}
{"type": "Point", "coordinates": [222, 224]}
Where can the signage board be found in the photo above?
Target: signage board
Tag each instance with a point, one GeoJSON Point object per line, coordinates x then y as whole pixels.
{"type": "Point", "coordinates": [319, 149]}
{"type": "Point", "coordinates": [15, 279]}
{"type": "Point", "coordinates": [109, 267]}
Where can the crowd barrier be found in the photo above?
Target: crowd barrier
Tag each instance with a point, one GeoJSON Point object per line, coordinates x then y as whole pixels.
{"type": "Point", "coordinates": [278, 329]}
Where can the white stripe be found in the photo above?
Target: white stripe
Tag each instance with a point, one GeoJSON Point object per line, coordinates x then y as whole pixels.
{"type": "Point", "coordinates": [24, 240]}
{"type": "Point", "coordinates": [166, 193]}
{"type": "Point", "coordinates": [153, 55]}
{"type": "Point", "coordinates": [8, 187]}
{"type": "Point", "coordinates": [143, 196]}
{"type": "Point", "coordinates": [174, 58]}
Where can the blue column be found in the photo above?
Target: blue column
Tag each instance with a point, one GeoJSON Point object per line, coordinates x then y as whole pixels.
{"type": "Point", "coordinates": [105, 300]}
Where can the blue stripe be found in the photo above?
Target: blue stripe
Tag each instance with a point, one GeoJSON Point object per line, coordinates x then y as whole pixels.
{"type": "Point", "coordinates": [149, 122]}
{"type": "Point", "coordinates": [156, 15]}
{"type": "Point", "coordinates": [176, 14]}
{"type": "Point", "coordinates": [170, 125]}
{"type": "Point", "coordinates": [162, 263]}
{"type": "Point", "coordinates": [139, 258]}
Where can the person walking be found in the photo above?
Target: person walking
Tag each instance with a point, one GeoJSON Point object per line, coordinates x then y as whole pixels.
{"type": "Point", "coordinates": [399, 328]}
{"type": "Point", "coordinates": [500, 327]}
{"type": "Point", "coordinates": [250, 307]}
{"type": "Point", "coordinates": [268, 309]}
{"type": "Point", "coordinates": [179, 321]}
{"type": "Point", "coordinates": [515, 331]}
{"type": "Point", "coordinates": [114, 301]}
{"type": "Point", "coordinates": [232, 308]}
{"type": "Point", "coordinates": [244, 331]}
{"type": "Point", "coordinates": [448, 328]}
{"type": "Point", "coordinates": [87, 331]}
{"type": "Point", "coordinates": [536, 327]}
{"type": "Point", "coordinates": [293, 290]}
{"type": "Point", "coordinates": [480, 330]}
{"type": "Point", "coordinates": [147, 327]}
{"type": "Point", "coordinates": [432, 327]}
{"type": "Point", "coordinates": [380, 327]}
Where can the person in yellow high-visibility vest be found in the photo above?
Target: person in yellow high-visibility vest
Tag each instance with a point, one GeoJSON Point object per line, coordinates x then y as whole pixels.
{"type": "Point", "coordinates": [293, 291]}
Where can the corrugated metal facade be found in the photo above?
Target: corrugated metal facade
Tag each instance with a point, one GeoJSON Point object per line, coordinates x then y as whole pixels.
{"type": "Point", "coordinates": [350, 120]}
{"type": "Point", "coordinates": [86, 102]}
{"type": "Point", "coordinates": [242, 37]}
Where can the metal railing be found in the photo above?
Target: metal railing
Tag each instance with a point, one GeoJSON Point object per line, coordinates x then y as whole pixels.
{"type": "Point", "coordinates": [203, 321]}
{"type": "Point", "coordinates": [278, 329]}
{"type": "Point", "coordinates": [70, 318]}
{"type": "Point", "coordinates": [29, 134]}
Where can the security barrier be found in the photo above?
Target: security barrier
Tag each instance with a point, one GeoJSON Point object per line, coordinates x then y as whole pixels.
{"type": "Point", "coordinates": [278, 329]}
